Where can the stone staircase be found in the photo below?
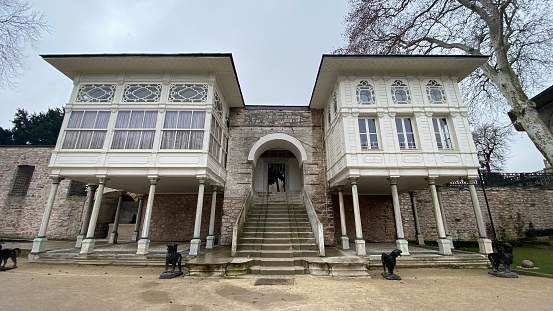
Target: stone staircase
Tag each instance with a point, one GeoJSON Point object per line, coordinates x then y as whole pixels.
{"type": "Point", "coordinates": [277, 235]}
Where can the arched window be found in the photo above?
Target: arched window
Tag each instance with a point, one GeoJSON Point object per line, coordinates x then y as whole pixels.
{"type": "Point", "coordinates": [400, 93]}
{"type": "Point", "coordinates": [365, 93]}
{"type": "Point", "coordinates": [435, 92]}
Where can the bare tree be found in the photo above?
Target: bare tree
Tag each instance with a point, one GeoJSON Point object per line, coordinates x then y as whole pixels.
{"type": "Point", "coordinates": [19, 26]}
{"type": "Point", "coordinates": [492, 144]}
{"type": "Point", "coordinates": [516, 34]}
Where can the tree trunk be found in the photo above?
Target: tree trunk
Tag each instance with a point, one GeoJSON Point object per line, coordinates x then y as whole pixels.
{"type": "Point", "coordinates": [536, 129]}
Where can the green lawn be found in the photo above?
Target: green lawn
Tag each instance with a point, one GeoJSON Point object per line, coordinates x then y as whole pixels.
{"type": "Point", "coordinates": [542, 257]}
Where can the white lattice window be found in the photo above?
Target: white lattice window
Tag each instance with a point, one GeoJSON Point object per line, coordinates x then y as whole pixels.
{"type": "Point", "coordinates": [218, 106]}
{"type": "Point", "coordinates": [134, 129]}
{"type": "Point", "coordinates": [365, 93]}
{"type": "Point", "coordinates": [188, 93]}
{"type": "Point", "coordinates": [183, 130]}
{"type": "Point", "coordinates": [149, 93]}
{"type": "Point", "coordinates": [435, 92]}
{"type": "Point", "coordinates": [96, 92]}
{"type": "Point", "coordinates": [405, 133]}
{"type": "Point", "coordinates": [217, 141]}
{"type": "Point", "coordinates": [400, 93]}
{"type": "Point", "coordinates": [368, 135]}
{"type": "Point", "coordinates": [441, 131]}
{"type": "Point", "coordinates": [86, 130]}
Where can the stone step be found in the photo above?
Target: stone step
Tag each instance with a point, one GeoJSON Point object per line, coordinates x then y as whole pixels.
{"type": "Point", "coordinates": [264, 240]}
{"type": "Point", "coordinates": [272, 234]}
{"type": "Point", "coordinates": [260, 229]}
{"type": "Point", "coordinates": [277, 247]}
{"type": "Point", "coordinates": [269, 270]}
{"type": "Point", "coordinates": [276, 253]}
{"type": "Point", "coordinates": [278, 262]}
{"type": "Point", "coordinates": [279, 224]}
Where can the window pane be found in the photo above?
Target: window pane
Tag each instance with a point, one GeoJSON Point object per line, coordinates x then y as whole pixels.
{"type": "Point", "coordinates": [137, 118]}
{"type": "Point", "coordinates": [147, 139]}
{"type": "Point", "coordinates": [123, 118]}
{"type": "Point", "coordinates": [362, 128]}
{"type": "Point", "coordinates": [168, 139]}
{"type": "Point", "coordinates": [182, 140]}
{"type": "Point", "coordinates": [435, 124]}
{"type": "Point", "coordinates": [374, 141]}
{"type": "Point", "coordinates": [364, 142]}
{"type": "Point", "coordinates": [84, 140]}
{"type": "Point", "coordinates": [75, 119]}
{"type": "Point", "coordinates": [170, 120]}
{"type": "Point", "coordinates": [119, 138]}
{"type": "Point", "coordinates": [150, 119]}
{"type": "Point", "coordinates": [399, 126]}
{"type": "Point", "coordinates": [70, 139]}
{"type": "Point", "coordinates": [89, 120]}
{"type": "Point", "coordinates": [102, 120]}
{"type": "Point", "coordinates": [408, 127]}
{"type": "Point", "coordinates": [411, 140]}
{"type": "Point", "coordinates": [185, 120]}
{"type": "Point", "coordinates": [372, 125]}
{"type": "Point", "coordinates": [198, 120]}
{"type": "Point", "coordinates": [133, 140]}
{"type": "Point", "coordinates": [98, 140]}
{"type": "Point", "coordinates": [196, 140]}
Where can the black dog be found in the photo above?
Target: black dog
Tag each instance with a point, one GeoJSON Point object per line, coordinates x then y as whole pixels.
{"type": "Point", "coordinates": [389, 261]}
{"type": "Point", "coordinates": [9, 253]}
{"type": "Point", "coordinates": [503, 256]}
{"type": "Point", "coordinates": [172, 257]}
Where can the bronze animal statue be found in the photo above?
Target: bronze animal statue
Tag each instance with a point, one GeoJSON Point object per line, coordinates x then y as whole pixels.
{"type": "Point", "coordinates": [8, 253]}
{"type": "Point", "coordinates": [503, 256]}
{"type": "Point", "coordinates": [389, 262]}
{"type": "Point", "coordinates": [173, 257]}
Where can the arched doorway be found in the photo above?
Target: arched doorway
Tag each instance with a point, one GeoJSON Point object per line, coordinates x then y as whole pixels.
{"type": "Point", "coordinates": [277, 163]}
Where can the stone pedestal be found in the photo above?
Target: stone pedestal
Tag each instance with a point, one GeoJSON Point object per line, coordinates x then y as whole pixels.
{"type": "Point", "coordinates": [345, 242]}
{"type": "Point", "coordinates": [194, 247]}
{"type": "Point", "coordinates": [87, 246]}
{"type": "Point", "coordinates": [143, 247]}
{"type": "Point", "coordinates": [210, 242]}
{"type": "Point", "coordinates": [450, 241]}
{"type": "Point", "coordinates": [113, 238]}
{"type": "Point", "coordinates": [420, 239]}
{"type": "Point", "coordinates": [360, 248]}
{"type": "Point", "coordinates": [79, 242]}
{"type": "Point", "coordinates": [134, 236]}
{"type": "Point", "coordinates": [485, 246]}
{"type": "Point", "coordinates": [444, 246]}
{"type": "Point", "coordinates": [503, 274]}
{"type": "Point", "coordinates": [170, 274]}
{"type": "Point", "coordinates": [403, 246]}
{"type": "Point", "coordinates": [39, 245]}
{"type": "Point", "coordinates": [389, 276]}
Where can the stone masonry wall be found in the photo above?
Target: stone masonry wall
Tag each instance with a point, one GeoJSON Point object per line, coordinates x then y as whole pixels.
{"type": "Point", "coordinates": [20, 216]}
{"type": "Point", "coordinates": [514, 211]}
{"type": "Point", "coordinates": [247, 126]}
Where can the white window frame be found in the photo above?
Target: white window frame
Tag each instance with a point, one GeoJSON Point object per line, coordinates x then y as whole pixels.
{"type": "Point", "coordinates": [434, 86]}
{"type": "Point", "coordinates": [442, 133]}
{"type": "Point", "coordinates": [398, 86]}
{"type": "Point", "coordinates": [85, 130]}
{"type": "Point", "coordinates": [406, 139]}
{"type": "Point", "coordinates": [186, 133]}
{"type": "Point", "coordinates": [365, 86]}
{"type": "Point", "coordinates": [137, 132]}
{"type": "Point", "coordinates": [371, 135]}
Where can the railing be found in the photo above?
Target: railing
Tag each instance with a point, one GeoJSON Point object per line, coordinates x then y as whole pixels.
{"type": "Point", "coordinates": [316, 225]}
{"type": "Point", "coordinates": [537, 179]}
{"type": "Point", "coordinates": [239, 223]}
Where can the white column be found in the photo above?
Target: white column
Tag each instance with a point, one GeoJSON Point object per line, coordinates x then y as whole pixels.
{"type": "Point", "coordinates": [86, 217]}
{"type": "Point", "coordinates": [359, 240]}
{"type": "Point", "coordinates": [419, 235]}
{"type": "Point", "coordinates": [87, 246]}
{"type": "Point", "coordinates": [195, 243]}
{"type": "Point", "coordinates": [144, 242]}
{"type": "Point", "coordinates": [484, 244]}
{"type": "Point", "coordinates": [138, 217]}
{"type": "Point", "coordinates": [114, 234]}
{"type": "Point", "coordinates": [401, 242]}
{"type": "Point", "coordinates": [210, 241]}
{"type": "Point", "coordinates": [443, 243]}
{"type": "Point", "coordinates": [444, 219]}
{"type": "Point", "coordinates": [39, 243]}
{"type": "Point", "coordinates": [345, 239]}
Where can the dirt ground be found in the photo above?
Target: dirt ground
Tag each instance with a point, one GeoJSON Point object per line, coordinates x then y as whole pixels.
{"type": "Point", "coordinates": [72, 287]}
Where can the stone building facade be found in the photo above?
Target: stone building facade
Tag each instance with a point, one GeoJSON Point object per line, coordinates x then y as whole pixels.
{"type": "Point", "coordinates": [168, 148]}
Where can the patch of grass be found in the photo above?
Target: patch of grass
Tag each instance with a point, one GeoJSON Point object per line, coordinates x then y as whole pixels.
{"type": "Point", "coordinates": [542, 257]}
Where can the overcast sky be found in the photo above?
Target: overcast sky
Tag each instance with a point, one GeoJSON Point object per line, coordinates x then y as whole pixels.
{"type": "Point", "coordinates": [276, 46]}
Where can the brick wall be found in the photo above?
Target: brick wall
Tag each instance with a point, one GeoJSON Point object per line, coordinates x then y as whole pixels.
{"type": "Point", "coordinates": [247, 126]}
